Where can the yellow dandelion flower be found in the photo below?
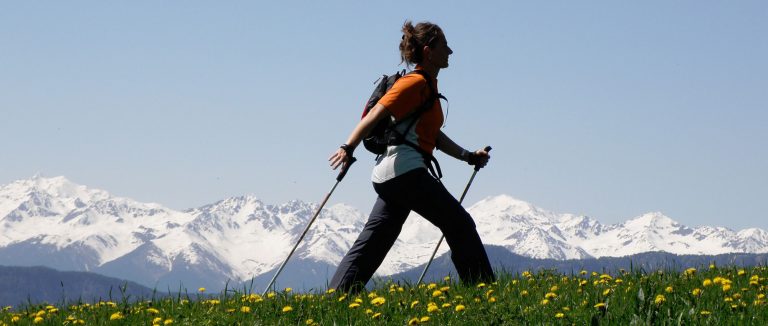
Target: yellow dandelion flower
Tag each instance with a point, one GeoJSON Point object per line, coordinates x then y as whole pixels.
{"type": "Point", "coordinates": [168, 321]}
{"type": "Point", "coordinates": [477, 299]}
{"type": "Point", "coordinates": [342, 297]}
{"type": "Point", "coordinates": [489, 292]}
{"type": "Point", "coordinates": [583, 272]}
{"type": "Point", "coordinates": [761, 296]}
{"type": "Point", "coordinates": [689, 272]}
{"type": "Point", "coordinates": [414, 303]}
{"type": "Point", "coordinates": [413, 321]}
{"type": "Point", "coordinates": [583, 283]}
{"type": "Point", "coordinates": [445, 288]}
{"type": "Point", "coordinates": [38, 320]}
{"type": "Point", "coordinates": [737, 296]}
{"type": "Point", "coordinates": [460, 308]}
{"type": "Point", "coordinates": [606, 277]}
{"type": "Point", "coordinates": [718, 280]}
{"type": "Point", "coordinates": [524, 293]}
{"type": "Point", "coordinates": [600, 306]}
{"type": "Point", "coordinates": [544, 302]}
{"type": "Point", "coordinates": [354, 305]}
{"type": "Point", "coordinates": [712, 266]}
{"type": "Point", "coordinates": [153, 311]}
{"type": "Point", "coordinates": [157, 320]}
{"type": "Point", "coordinates": [116, 316]}
{"type": "Point", "coordinates": [741, 272]}
{"type": "Point", "coordinates": [669, 289]}
{"type": "Point", "coordinates": [446, 305]}
{"type": "Point", "coordinates": [270, 295]}
{"type": "Point", "coordinates": [309, 321]}
{"type": "Point", "coordinates": [431, 286]}
{"type": "Point", "coordinates": [696, 292]}
{"type": "Point", "coordinates": [705, 313]}
{"type": "Point", "coordinates": [432, 309]}
{"type": "Point", "coordinates": [659, 299]}
{"type": "Point", "coordinates": [527, 274]}
{"type": "Point", "coordinates": [287, 309]}
{"type": "Point", "coordinates": [376, 315]}
{"type": "Point", "coordinates": [447, 278]}
{"type": "Point", "coordinates": [728, 299]}
{"type": "Point", "coordinates": [358, 300]}
{"type": "Point", "coordinates": [550, 295]}
{"type": "Point", "coordinates": [201, 290]}
{"type": "Point", "coordinates": [559, 315]}
{"type": "Point", "coordinates": [618, 281]}
{"type": "Point", "coordinates": [368, 311]}
{"type": "Point", "coordinates": [607, 292]}
{"type": "Point", "coordinates": [372, 295]}
{"type": "Point", "coordinates": [424, 319]}
{"type": "Point", "coordinates": [707, 282]}
{"type": "Point", "coordinates": [330, 291]}
{"type": "Point", "coordinates": [726, 287]}
{"type": "Point", "coordinates": [492, 299]}
{"type": "Point", "coordinates": [245, 309]}
{"type": "Point", "coordinates": [481, 285]}
{"type": "Point", "coordinates": [378, 301]}
{"type": "Point", "coordinates": [437, 293]}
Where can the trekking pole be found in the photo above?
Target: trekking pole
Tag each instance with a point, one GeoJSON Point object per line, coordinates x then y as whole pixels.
{"type": "Point", "coordinates": [477, 168]}
{"type": "Point", "coordinates": [341, 175]}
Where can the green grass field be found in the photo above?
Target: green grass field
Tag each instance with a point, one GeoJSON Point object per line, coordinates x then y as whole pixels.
{"type": "Point", "coordinates": [704, 296]}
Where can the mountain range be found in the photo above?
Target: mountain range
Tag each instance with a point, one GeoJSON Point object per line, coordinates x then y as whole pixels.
{"type": "Point", "coordinates": [237, 241]}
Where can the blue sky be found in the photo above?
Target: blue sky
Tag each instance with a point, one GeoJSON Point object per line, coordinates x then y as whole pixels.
{"type": "Point", "coordinates": [610, 109]}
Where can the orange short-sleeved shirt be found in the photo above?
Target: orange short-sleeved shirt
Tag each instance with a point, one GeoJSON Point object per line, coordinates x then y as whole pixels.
{"type": "Point", "coordinates": [407, 95]}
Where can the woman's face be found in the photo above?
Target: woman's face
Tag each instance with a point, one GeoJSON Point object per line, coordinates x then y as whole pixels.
{"type": "Point", "coordinates": [439, 52]}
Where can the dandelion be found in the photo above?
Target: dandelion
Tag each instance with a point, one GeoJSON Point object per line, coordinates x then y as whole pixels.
{"type": "Point", "coordinates": [342, 297]}
{"type": "Point", "coordinates": [583, 283]}
{"type": "Point", "coordinates": [432, 308]}
{"type": "Point", "coordinates": [741, 272]}
{"type": "Point", "coordinates": [481, 285]}
{"type": "Point", "coordinates": [431, 286]}
{"type": "Point", "coordinates": [168, 321]}
{"type": "Point", "coordinates": [368, 311]}
{"type": "Point", "coordinates": [705, 313]}
{"type": "Point", "coordinates": [414, 303]}
{"type": "Point", "coordinates": [583, 272]}
{"type": "Point", "coordinates": [201, 290]}
{"type": "Point", "coordinates": [157, 320]}
{"type": "Point", "coordinates": [492, 299]}
{"type": "Point", "coordinates": [437, 293]}
{"type": "Point", "coordinates": [38, 320]}
{"type": "Point", "coordinates": [413, 321]}
{"type": "Point", "coordinates": [544, 302]}
{"type": "Point", "coordinates": [330, 291]}
{"type": "Point", "coordinates": [618, 281]}
{"type": "Point", "coordinates": [287, 309]}
{"type": "Point", "coordinates": [726, 287]}
{"type": "Point", "coordinates": [460, 308]}
{"type": "Point", "coordinates": [707, 282]}
{"type": "Point", "coordinates": [358, 300]}
{"type": "Point", "coordinates": [669, 289]}
{"type": "Point", "coordinates": [447, 278]}
{"type": "Point", "coordinates": [607, 292]}
{"type": "Point", "coordinates": [550, 295]}
{"type": "Point", "coordinates": [153, 311]}
{"type": "Point", "coordinates": [559, 315]}
{"type": "Point", "coordinates": [696, 292]}
{"type": "Point", "coordinates": [446, 305]}
{"type": "Point", "coordinates": [378, 301]}
{"type": "Point", "coordinates": [600, 306]}
{"type": "Point", "coordinates": [524, 293]}
{"type": "Point", "coordinates": [553, 288]}
{"type": "Point", "coordinates": [116, 316]}
{"type": "Point", "coordinates": [659, 299]}
{"type": "Point", "coordinates": [690, 272]}
{"type": "Point", "coordinates": [245, 309]}
{"type": "Point", "coordinates": [309, 321]}
{"type": "Point", "coordinates": [270, 295]}
{"type": "Point", "coordinates": [488, 293]}
{"type": "Point", "coordinates": [424, 319]}
{"type": "Point", "coordinates": [354, 305]}
{"type": "Point", "coordinates": [376, 315]}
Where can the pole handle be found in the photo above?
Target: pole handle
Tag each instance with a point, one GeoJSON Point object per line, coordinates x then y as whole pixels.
{"type": "Point", "coordinates": [486, 149]}
{"type": "Point", "coordinates": [345, 169]}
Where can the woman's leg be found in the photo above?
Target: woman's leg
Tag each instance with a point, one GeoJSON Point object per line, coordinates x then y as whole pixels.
{"type": "Point", "coordinates": [370, 248]}
{"type": "Point", "coordinates": [431, 200]}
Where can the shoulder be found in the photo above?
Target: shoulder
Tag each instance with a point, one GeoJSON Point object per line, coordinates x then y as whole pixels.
{"type": "Point", "coordinates": [411, 80]}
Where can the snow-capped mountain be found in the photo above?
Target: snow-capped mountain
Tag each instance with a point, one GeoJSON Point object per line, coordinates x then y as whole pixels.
{"type": "Point", "coordinates": [59, 224]}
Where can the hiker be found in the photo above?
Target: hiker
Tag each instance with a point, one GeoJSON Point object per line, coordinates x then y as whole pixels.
{"type": "Point", "coordinates": [402, 178]}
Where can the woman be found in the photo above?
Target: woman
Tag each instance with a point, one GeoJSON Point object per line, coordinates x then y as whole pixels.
{"type": "Point", "coordinates": [401, 178]}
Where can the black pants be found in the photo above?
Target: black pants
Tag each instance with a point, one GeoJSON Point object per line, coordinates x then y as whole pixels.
{"type": "Point", "coordinates": [415, 190]}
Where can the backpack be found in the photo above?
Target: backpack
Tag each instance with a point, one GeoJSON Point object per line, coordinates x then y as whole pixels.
{"type": "Point", "coordinates": [384, 132]}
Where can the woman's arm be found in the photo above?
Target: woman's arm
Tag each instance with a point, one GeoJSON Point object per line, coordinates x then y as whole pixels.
{"type": "Point", "coordinates": [363, 128]}
{"type": "Point", "coordinates": [479, 157]}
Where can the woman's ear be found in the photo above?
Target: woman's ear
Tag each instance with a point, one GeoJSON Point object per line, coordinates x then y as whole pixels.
{"type": "Point", "coordinates": [426, 52]}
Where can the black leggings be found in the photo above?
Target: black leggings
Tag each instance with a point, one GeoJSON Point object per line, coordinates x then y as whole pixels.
{"type": "Point", "coordinates": [418, 191]}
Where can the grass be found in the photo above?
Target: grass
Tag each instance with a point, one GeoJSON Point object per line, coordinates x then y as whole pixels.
{"type": "Point", "coordinates": [707, 296]}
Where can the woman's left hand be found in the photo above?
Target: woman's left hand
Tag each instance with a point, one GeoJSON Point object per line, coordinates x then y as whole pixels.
{"type": "Point", "coordinates": [479, 158]}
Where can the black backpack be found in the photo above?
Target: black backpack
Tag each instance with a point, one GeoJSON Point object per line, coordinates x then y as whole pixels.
{"type": "Point", "coordinates": [385, 134]}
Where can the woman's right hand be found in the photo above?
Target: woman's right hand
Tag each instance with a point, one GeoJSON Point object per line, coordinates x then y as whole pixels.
{"type": "Point", "coordinates": [338, 158]}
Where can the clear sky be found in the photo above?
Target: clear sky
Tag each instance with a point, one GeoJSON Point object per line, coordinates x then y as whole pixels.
{"type": "Point", "coordinates": [605, 108]}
